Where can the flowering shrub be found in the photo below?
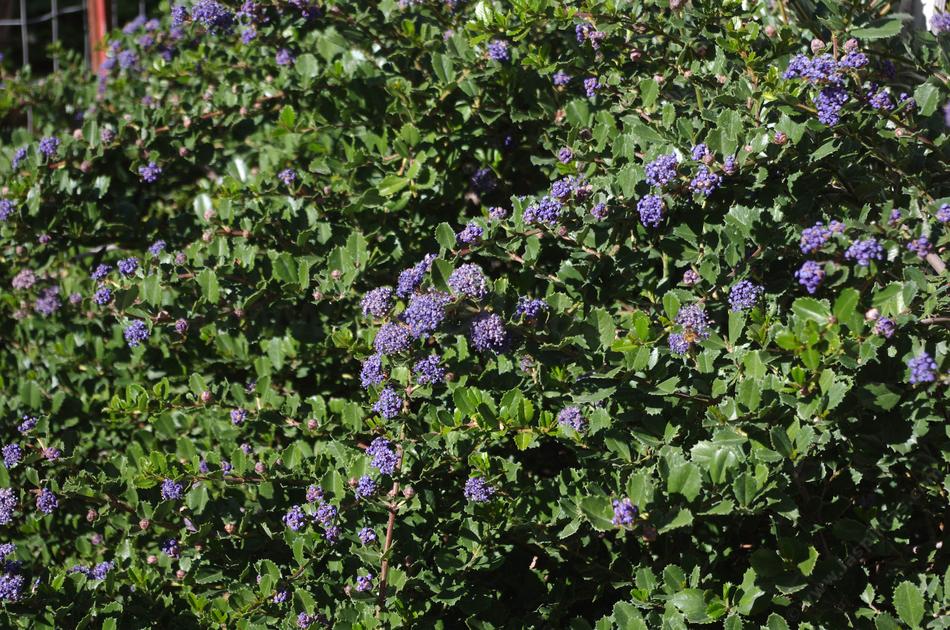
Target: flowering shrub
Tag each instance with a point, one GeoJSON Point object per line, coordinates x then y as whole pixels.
{"type": "Point", "coordinates": [528, 314]}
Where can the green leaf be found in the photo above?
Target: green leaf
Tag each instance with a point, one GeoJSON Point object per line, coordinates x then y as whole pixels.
{"type": "Point", "coordinates": [392, 184]}
{"type": "Point", "coordinates": [883, 28]}
{"type": "Point", "coordinates": [445, 236]}
{"type": "Point", "coordinates": [685, 478]}
{"type": "Point", "coordinates": [909, 603]}
{"type": "Point", "coordinates": [208, 281]}
{"type": "Point", "coordinates": [288, 116]}
{"type": "Point", "coordinates": [443, 67]}
{"type": "Point", "coordinates": [812, 309]}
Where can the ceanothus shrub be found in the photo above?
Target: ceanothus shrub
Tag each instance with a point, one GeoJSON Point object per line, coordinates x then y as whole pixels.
{"type": "Point", "coordinates": [479, 314]}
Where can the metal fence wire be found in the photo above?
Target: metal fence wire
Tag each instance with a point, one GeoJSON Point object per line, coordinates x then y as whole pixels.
{"type": "Point", "coordinates": [71, 11]}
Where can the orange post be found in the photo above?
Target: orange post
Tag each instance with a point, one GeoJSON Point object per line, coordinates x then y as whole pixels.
{"type": "Point", "coordinates": [96, 14]}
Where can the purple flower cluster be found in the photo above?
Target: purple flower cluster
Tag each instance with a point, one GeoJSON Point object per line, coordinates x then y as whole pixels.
{"type": "Point", "coordinates": [135, 333]}
{"type": "Point", "coordinates": [471, 234]}
{"type": "Point", "coordinates": [392, 338]}
{"type": "Point", "coordinates": [170, 548]}
{"type": "Point", "coordinates": [498, 50]}
{"type": "Point", "coordinates": [410, 279]}
{"type": "Point", "coordinates": [377, 302]}
{"type": "Point", "coordinates": [49, 146]}
{"type": "Point", "coordinates": [864, 251]}
{"type": "Point", "coordinates": [744, 295]}
{"type": "Point", "coordinates": [884, 327]}
{"type": "Point", "coordinates": [295, 518]}
{"type": "Point", "coordinates": [943, 213]}
{"type": "Point", "coordinates": [690, 277]}
{"type": "Point", "coordinates": [364, 582]}
{"type": "Point", "coordinates": [284, 57]}
{"type": "Point", "coordinates": [705, 182]}
{"type": "Point", "coordinates": [6, 209]}
{"type": "Point", "coordinates": [497, 213]}
{"type": "Point", "coordinates": [157, 247]}
{"type": "Point", "coordinates": [18, 156]}
{"type": "Point", "coordinates": [810, 276]}
{"type": "Point", "coordinates": [920, 246]}
{"type": "Point", "coordinates": [487, 333]}
{"type": "Point", "coordinates": [477, 490]}
{"type": "Point", "coordinates": [591, 86]}
{"type": "Point", "coordinates": [8, 503]}
{"type": "Point", "coordinates": [23, 280]}
{"type": "Point", "coordinates": [700, 153]}
{"type": "Point", "coordinates": [651, 209]}
{"type": "Point", "coordinates": [814, 238]}
{"type": "Point", "coordinates": [469, 281]}
{"type": "Point", "coordinates": [288, 176]}
{"type": "Point", "coordinates": [880, 99]}
{"type": "Point", "coordinates": [28, 424]}
{"type": "Point", "coordinates": [531, 308]}
{"type": "Point", "coordinates": [127, 266]}
{"type": "Point", "coordinates": [390, 403]}
{"type": "Point", "coordinates": [46, 501]}
{"type": "Point", "coordinates": [171, 490]}
{"type": "Point", "coordinates": [372, 372]}
{"type": "Point", "coordinates": [923, 369]}
{"type": "Point", "coordinates": [561, 78]}
{"type": "Point", "coordinates": [238, 416]}
{"type": "Point", "coordinates": [212, 15]}
{"type": "Point", "coordinates": [695, 324]}
{"type": "Point", "coordinates": [625, 512]}
{"type": "Point", "coordinates": [572, 417]}
{"type": "Point", "coordinates": [829, 101]}
{"type": "Point", "coordinates": [150, 172]}
{"type": "Point", "coordinates": [98, 572]}
{"type": "Point", "coordinates": [384, 457]}
{"type": "Point", "coordinates": [599, 211]}
{"type": "Point", "coordinates": [547, 210]}
{"type": "Point", "coordinates": [101, 272]}
{"type": "Point", "coordinates": [365, 487]}
{"type": "Point", "coordinates": [367, 535]}
{"type": "Point", "coordinates": [662, 170]}
{"type": "Point", "coordinates": [565, 155]}
{"type": "Point", "coordinates": [12, 455]}
{"type": "Point", "coordinates": [48, 302]}
{"type": "Point", "coordinates": [429, 370]}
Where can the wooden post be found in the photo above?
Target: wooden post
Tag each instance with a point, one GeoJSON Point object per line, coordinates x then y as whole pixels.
{"type": "Point", "coordinates": [96, 15]}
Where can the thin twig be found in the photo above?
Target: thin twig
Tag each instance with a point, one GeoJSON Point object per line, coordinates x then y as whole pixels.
{"type": "Point", "coordinates": [384, 568]}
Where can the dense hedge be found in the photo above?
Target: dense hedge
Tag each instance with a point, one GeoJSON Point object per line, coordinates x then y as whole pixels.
{"type": "Point", "coordinates": [480, 314]}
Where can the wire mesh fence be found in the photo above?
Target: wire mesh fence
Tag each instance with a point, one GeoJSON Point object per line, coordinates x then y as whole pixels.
{"type": "Point", "coordinates": [28, 27]}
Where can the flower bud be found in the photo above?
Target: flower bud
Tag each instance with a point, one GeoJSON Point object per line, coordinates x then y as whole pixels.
{"type": "Point", "coordinates": [336, 274]}
{"type": "Point", "coordinates": [872, 315]}
{"type": "Point", "coordinates": [408, 492]}
{"type": "Point", "coordinates": [85, 166]}
{"type": "Point", "coordinates": [770, 31]}
{"type": "Point", "coordinates": [780, 137]}
{"type": "Point", "coordinates": [207, 235]}
{"type": "Point", "coordinates": [312, 424]}
{"type": "Point", "coordinates": [77, 134]}
{"type": "Point", "coordinates": [635, 55]}
{"type": "Point", "coordinates": [851, 45]}
{"type": "Point", "coordinates": [182, 151]}
{"type": "Point", "coordinates": [676, 5]}
{"type": "Point", "coordinates": [259, 468]}
{"type": "Point", "coordinates": [817, 46]}
{"type": "Point", "coordinates": [229, 528]}
{"type": "Point", "coordinates": [180, 574]}
{"type": "Point", "coordinates": [91, 515]}
{"type": "Point", "coordinates": [143, 524]}
{"type": "Point", "coordinates": [352, 482]}
{"type": "Point", "coordinates": [206, 396]}
{"type": "Point", "coordinates": [152, 559]}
